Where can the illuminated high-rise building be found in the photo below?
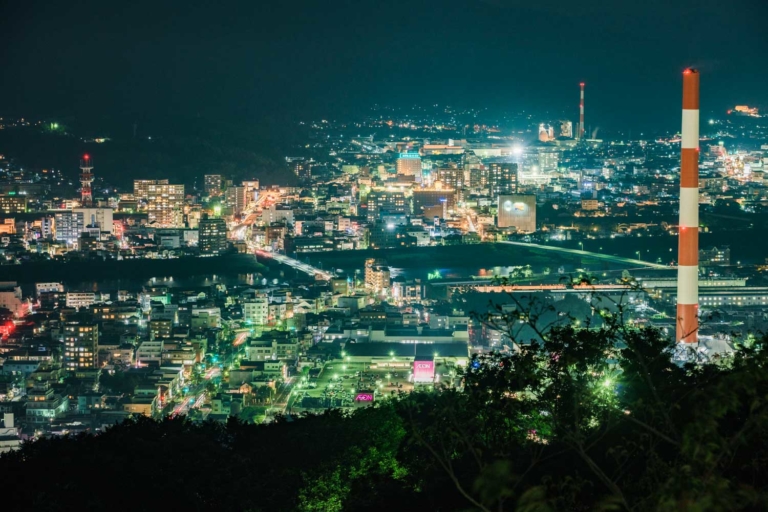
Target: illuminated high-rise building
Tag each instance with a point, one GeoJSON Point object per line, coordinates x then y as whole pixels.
{"type": "Point", "coordinates": [409, 164]}
{"type": "Point", "coordinates": [164, 205]}
{"type": "Point", "coordinates": [452, 177]}
{"type": "Point", "coordinates": [212, 184]}
{"type": "Point", "coordinates": [236, 199]}
{"type": "Point", "coordinates": [81, 345]}
{"type": "Point", "coordinates": [141, 188]}
{"type": "Point", "coordinates": [502, 178]}
{"type": "Point", "coordinates": [212, 235]}
{"type": "Point", "coordinates": [386, 201]}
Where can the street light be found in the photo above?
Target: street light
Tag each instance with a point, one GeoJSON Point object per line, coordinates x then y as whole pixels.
{"type": "Point", "coordinates": [638, 255]}
{"type": "Point", "coordinates": [582, 246]}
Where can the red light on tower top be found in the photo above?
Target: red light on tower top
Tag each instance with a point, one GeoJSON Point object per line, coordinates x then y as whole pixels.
{"type": "Point", "coordinates": [86, 178]}
{"type": "Point", "coordinates": [582, 84]}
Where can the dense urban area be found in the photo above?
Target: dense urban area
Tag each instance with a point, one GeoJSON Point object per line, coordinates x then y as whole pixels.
{"type": "Point", "coordinates": [338, 290]}
{"type": "Point", "coordinates": [432, 308]}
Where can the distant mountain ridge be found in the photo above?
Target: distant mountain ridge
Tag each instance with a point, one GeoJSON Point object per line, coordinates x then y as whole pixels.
{"type": "Point", "coordinates": [181, 150]}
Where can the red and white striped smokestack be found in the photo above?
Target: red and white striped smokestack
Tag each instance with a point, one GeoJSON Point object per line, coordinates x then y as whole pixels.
{"type": "Point", "coordinates": [688, 239]}
{"type": "Point", "coordinates": [581, 113]}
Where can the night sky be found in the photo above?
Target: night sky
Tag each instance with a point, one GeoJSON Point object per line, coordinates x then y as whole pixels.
{"type": "Point", "coordinates": [245, 59]}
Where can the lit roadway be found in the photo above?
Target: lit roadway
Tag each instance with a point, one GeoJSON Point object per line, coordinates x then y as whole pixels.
{"type": "Point", "coordinates": [182, 408]}
{"type": "Point", "coordinates": [593, 255]}
{"type": "Point", "coordinates": [240, 339]}
{"type": "Point", "coordinates": [281, 400]}
{"type": "Point", "coordinates": [250, 214]}
{"type": "Point", "coordinates": [298, 265]}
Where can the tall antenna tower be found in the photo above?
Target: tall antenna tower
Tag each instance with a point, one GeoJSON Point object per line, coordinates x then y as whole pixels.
{"type": "Point", "coordinates": [86, 178]}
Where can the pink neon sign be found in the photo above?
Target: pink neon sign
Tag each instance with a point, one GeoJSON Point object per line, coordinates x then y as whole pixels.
{"type": "Point", "coordinates": [423, 371]}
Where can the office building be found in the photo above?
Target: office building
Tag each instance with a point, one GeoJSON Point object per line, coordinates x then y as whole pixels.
{"type": "Point", "coordinates": [141, 188]}
{"type": "Point", "coordinates": [452, 177]}
{"type": "Point", "coordinates": [502, 178]}
{"type": "Point", "coordinates": [236, 199]}
{"type": "Point", "coordinates": [80, 299]}
{"type": "Point", "coordinates": [164, 204]}
{"type": "Point", "coordinates": [13, 203]}
{"type": "Point", "coordinates": [212, 185]}
{"type": "Point", "coordinates": [549, 159]}
{"type": "Point", "coordinates": [160, 328]}
{"type": "Point", "coordinates": [409, 164]}
{"type": "Point", "coordinates": [70, 224]}
{"type": "Point", "coordinates": [277, 213]}
{"type": "Point", "coordinates": [386, 201]}
{"type": "Point", "coordinates": [518, 211]}
{"type": "Point", "coordinates": [256, 311]}
{"type": "Point", "coordinates": [377, 276]}
{"type": "Point", "coordinates": [715, 256]}
{"type": "Point", "coordinates": [212, 237]}
{"type": "Point", "coordinates": [41, 288]}
{"type": "Point", "coordinates": [427, 198]}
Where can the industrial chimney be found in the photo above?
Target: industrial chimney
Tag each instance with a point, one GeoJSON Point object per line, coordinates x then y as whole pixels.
{"type": "Point", "coordinates": [688, 239]}
{"type": "Point", "coordinates": [581, 113]}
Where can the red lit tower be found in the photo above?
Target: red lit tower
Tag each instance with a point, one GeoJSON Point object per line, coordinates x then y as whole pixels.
{"type": "Point", "coordinates": [86, 178]}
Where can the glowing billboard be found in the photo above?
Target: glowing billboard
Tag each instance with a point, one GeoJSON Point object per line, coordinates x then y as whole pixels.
{"type": "Point", "coordinates": [424, 371]}
{"type": "Point", "coordinates": [364, 396]}
{"type": "Point", "coordinates": [518, 211]}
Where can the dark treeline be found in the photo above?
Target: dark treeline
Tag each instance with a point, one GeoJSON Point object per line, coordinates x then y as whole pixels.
{"type": "Point", "coordinates": [571, 423]}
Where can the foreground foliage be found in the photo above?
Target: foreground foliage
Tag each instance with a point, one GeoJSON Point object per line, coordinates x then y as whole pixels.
{"type": "Point", "coordinates": [584, 419]}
